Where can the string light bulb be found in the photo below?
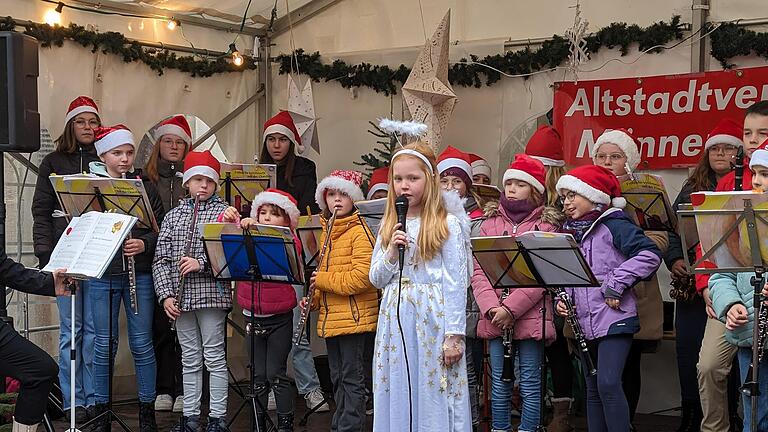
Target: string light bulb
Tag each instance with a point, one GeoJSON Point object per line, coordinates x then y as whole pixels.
{"type": "Point", "coordinates": [237, 58]}
{"type": "Point", "coordinates": [52, 18]}
{"type": "Point", "coordinates": [173, 23]}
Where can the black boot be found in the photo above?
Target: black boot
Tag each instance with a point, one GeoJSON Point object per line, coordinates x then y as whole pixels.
{"type": "Point", "coordinates": [187, 424]}
{"type": "Point", "coordinates": [102, 423]}
{"type": "Point", "coordinates": [147, 417]}
{"type": "Point", "coordinates": [261, 422]}
{"type": "Point", "coordinates": [284, 422]}
{"type": "Point", "coordinates": [216, 424]}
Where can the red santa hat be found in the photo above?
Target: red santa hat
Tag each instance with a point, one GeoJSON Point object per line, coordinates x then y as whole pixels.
{"type": "Point", "coordinates": [626, 142]}
{"type": "Point", "coordinates": [479, 165]}
{"type": "Point", "coordinates": [727, 131]}
{"type": "Point", "coordinates": [201, 163]}
{"type": "Point", "coordinates": [546, 146]}
{"type": "Point", "coordinates": [282, 123]}
{"type": "Point", "coordinates": [759, 156]}
{"type": "Point", "coordinates": [455, 162]}
{"type": "Point", "coordinates": [595, 183]}
{"type": "Point", "coordinates": [81, 104]}
{"type": "Point", "coordinates": [379, 181]}
{"type": "Point", "coordinates": [347, 181]}
{"type": "Point", "coordinates": [527, 169]}
{"type": "Point", "coordinates": [110, 137]}
{"type": "Point", "coordinates": [279, 198]}
{"type": "Point", "coordinates": [176, 125]}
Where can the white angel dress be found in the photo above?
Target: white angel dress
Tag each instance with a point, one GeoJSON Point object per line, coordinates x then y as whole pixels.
{"type": "Point", "coordinates": [432, 304]}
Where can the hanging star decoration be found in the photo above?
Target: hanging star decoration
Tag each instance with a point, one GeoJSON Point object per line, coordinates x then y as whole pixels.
{"type": "Point", "coordinates": [427, 92]}
{"type": "Point", "coordinates": [577, 38]}
{"type": "Point", "coordinates": [301, 106]}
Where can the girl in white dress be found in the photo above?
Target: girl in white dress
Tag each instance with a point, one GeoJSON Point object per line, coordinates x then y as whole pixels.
{"type": "Point", "coordinates": [422, 319]}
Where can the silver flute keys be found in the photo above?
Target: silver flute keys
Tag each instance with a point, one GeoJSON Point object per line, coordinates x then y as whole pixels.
{"type": "Point", "coordinates": [311, 290]}
{"type": "Point", "coordinates": [132, 284]}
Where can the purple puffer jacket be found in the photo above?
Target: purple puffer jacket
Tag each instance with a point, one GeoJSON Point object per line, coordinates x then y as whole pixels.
{"type": "Point", "coordinates": [524, 304]}
{"type": "Point", "coordinates": [619, 255]}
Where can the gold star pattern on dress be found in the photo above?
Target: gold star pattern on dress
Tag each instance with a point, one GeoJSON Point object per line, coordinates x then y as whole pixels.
{"type": "Point", "coordinates": [441, 314]}
{"type": "Point", "coordinates": [427, 91]}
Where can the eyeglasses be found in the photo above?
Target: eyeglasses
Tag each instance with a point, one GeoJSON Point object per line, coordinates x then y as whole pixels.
{"type": "Point", "coordinates": [81, 123]}
{"type": "Point", "coordinates": [614, 157]}
{"type": "Point", "coordinates": [570, 196]}
{"type": "Point", "coordinates": [724, 149]}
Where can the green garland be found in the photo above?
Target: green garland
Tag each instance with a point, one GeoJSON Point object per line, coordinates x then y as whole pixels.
{"type": "Point", "coordinates": [729, 40]}
{"type": "Point", "coordinates": [131, 51]}
{"type": "Point", "coordinates": [552, 53]}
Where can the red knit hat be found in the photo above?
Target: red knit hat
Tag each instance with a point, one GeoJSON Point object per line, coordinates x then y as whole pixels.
{"type": "Point", "coordinates": [176, 125]}
{"type": "Point", "coordinates": [379, 181]}
{"type": "Point", "coordinates": [110, 137]}
{"type": "Point", "coordinates": [546, 146]}
{"type": "Point", "coordinates": [595, 183]}
{"type": "Point", "coordinates": [279, 198]}
{"type": "Point", "coordinates": [455, 162]}
{"type": "Point", "coordinates": [347, 181]}
{"type": "Point", "coordinates": [479, 165]}
{"type": "Point", "coordinates": [527, 169]}
{"type": "Point", "coordinates": [727, 131]}
{"type": "Point", "coordinates": [201, 163]}
{"type": "Point", "coordinates": [282, 123]}
{"type": "Point", "coordinates": [625, 141]}
{"type": "Point", "coordinates": [81, 104]}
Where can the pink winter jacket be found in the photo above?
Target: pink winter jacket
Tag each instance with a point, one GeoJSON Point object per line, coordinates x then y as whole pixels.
{"type": "Point", "coordinates": [523, 303]}
{"type": "Point", "coordinates": [271, 298]}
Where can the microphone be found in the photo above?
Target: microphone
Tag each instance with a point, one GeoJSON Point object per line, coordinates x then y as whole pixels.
{"type": "Point", "coordinates": [401, 208]}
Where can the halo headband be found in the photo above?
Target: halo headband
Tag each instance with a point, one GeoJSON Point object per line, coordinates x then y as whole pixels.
{"type": "Point", "coordinates": [414, 153]}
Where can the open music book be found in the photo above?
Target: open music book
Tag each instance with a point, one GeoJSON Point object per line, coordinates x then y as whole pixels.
{"type": "Point", "coordinates": [89, 243]}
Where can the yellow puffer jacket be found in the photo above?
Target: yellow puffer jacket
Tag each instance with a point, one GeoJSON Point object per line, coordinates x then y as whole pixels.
{"type": "Point", "coordinates": [348, 302]}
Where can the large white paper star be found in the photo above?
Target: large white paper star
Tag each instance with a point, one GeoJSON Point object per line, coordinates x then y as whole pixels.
{"type": "Point", "coordinates": [427, 92]}
{"type": "Point", "coordinates": [301, 106]}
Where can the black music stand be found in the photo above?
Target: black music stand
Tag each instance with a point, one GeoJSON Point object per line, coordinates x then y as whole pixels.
{"type": "Point", "coordinates": [138, 206]}
{"type": "Point", "coordinates": [750, 217]}
{"type": "Point", "coordinates": [548, 262]}
{"type": "Point", "coordinates": [255, 258]}
{"type": "Point", "coordinates": [243, 188]}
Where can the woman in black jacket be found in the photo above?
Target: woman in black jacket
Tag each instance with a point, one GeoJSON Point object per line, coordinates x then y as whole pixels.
{"type": "Point", "coordinates": [295, 174]}
{"type": "Point", "coordinates": [74, 151]}
{"type": "Point", "coordinates": [690, 308]}
{"type": "Point", "coordinates": [165, 167]}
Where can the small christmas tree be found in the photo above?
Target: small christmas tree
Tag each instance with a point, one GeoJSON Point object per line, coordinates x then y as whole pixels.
{"type": "Point", "coordinates": [386, 145]}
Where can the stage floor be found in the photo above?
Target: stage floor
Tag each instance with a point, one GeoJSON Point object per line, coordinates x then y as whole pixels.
{"type": "Point", "coordinates": [321, 421]}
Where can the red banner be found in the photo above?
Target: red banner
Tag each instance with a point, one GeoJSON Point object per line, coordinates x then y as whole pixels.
{"type": "Point", "coordinates": [670, 115]}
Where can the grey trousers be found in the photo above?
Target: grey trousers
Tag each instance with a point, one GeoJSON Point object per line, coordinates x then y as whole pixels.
{"type": "Point", "coordinates": [345, 359]}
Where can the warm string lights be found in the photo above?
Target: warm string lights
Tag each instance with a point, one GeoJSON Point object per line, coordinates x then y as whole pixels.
{"type": "Point", "coordinates": [52, 17]}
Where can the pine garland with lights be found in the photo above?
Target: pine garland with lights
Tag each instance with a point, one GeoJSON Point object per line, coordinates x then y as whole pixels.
{"type": "Point", "coordinates": [131, 51]}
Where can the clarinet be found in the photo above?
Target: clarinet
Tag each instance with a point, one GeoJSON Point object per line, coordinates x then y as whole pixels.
{"type": "Point", "coordinates": [311, 290]}
{"type": "Point", "coordinates": [508, 370]}
{"type": "Point", "coordinates": [187, 249]}
{"type": "Point", "coordinates": [578, 332]}
{"type": "Point", "coordinates": [131, 266]}
{"type": "Point", "coordinates": [738, 168]}
{"type": "Point", "coordinates": [762, 328]}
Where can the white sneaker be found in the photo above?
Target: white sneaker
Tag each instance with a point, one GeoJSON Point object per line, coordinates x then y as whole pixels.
{"type": "Point", "coordinates": [178, 404]}
{"type": "Point", "coordinates": [271, 404]}
{"type": "Point", "coordinates": [315, 398]}
{"type": "Point", "coordinates": [163, 402]}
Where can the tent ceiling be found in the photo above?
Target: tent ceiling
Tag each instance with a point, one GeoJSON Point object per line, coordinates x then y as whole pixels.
{"type": "Point", "coordinates": [221, 11]}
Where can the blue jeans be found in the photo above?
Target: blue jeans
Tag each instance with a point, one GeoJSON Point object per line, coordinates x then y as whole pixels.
{"type": "Point", "coordinates": [745, 358]}
{"type": "Point", "coordinates": [529, 352]}
{"type": "Point", "coordinates": [84, 337]}
{"type": "Point", "coordinates": [303, 363]}
{"type": "Point", "coordinates": [607, 408]}
{"type": "Point", "coordinates": [139, 332]}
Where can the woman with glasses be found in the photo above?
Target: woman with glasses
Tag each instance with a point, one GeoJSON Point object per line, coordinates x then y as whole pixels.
{"type": "Point", "coordinates": [619, 151]}
{"type": "Point", "coordinates": [693, 306]}
{"type": "Point", "coordinates": [74, 151]}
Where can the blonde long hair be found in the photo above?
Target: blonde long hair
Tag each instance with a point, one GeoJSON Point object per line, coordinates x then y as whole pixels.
{"type": "Point", "coordinates": [434, 227]}
{"type": "Point", "coordinates": [550, 181]}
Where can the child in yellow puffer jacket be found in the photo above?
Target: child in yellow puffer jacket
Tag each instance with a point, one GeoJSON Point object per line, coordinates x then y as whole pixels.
{"type": "Point", "coordinates": [348, 301]}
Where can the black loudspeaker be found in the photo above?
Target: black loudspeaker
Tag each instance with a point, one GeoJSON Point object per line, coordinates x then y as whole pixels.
{"type": "Point", "coordinates": [19, 119]}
